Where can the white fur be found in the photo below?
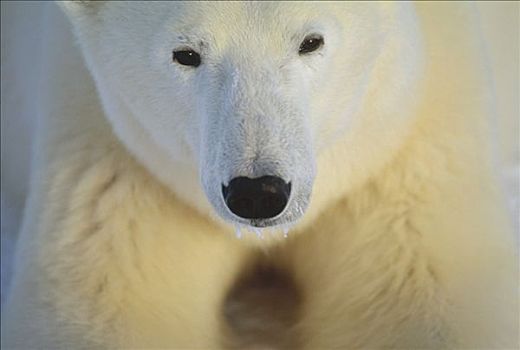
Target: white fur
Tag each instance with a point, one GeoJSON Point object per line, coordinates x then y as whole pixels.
{"type": "Point", "coordinates": [404, 243]}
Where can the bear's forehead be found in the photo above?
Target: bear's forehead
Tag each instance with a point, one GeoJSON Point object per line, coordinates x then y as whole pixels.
{"type": "Point", "coordinates": [243, 14]}
{"type": "Point", "coordinates": [249, 29]}
{"type": "Point", "coordinates": [244, 24]}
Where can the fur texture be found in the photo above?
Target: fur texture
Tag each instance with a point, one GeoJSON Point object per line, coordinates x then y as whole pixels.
{"type": "Point", "coordinates": [399, 238]}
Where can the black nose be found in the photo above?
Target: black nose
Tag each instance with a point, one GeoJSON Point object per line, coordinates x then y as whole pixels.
{"type": "Point", "coordinates": [260, 198]}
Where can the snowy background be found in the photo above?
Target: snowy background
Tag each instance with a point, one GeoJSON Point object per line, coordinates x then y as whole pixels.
{"type": "Point", "coordinates": [22, 24]}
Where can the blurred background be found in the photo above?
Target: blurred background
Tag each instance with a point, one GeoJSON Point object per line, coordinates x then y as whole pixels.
{"type": "Point", "coordinates": [23, 23]}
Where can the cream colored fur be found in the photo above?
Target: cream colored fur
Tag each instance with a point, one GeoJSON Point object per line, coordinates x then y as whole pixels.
{"type": "Point", "coordinates": [417, 252]}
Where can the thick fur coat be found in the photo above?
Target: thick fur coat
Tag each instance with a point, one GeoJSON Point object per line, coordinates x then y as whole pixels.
{"type": "Point", "coordinates": [398, 235]}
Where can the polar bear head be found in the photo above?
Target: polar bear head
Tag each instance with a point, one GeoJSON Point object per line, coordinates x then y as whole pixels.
{"type": "Point", "coordinates": [263, 107]}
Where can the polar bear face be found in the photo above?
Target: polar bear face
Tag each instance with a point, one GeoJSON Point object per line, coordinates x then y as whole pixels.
{"type": "Point", "coordinates": [250, 95]}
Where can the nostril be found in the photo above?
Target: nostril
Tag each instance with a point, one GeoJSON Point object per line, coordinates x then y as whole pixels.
{"type": "Point", "coordinates": [261, 198]}
{"type": "Point", "coordinates": [244, 206]}
{"type": "Point", "coordinates": [271, 202]}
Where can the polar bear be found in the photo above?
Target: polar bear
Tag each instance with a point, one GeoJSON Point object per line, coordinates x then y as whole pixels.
{"type": "Point", "coordinates": [264, 174]}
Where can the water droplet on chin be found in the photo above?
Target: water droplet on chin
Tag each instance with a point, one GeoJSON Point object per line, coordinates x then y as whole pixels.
{"type": "Point", "coordinates": [258, 232]}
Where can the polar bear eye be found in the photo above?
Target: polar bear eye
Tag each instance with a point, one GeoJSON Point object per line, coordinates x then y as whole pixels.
{"type": "Point", "coordinates": [187, 57]}
{"type": "Point", "coordinates": [311, 43]}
